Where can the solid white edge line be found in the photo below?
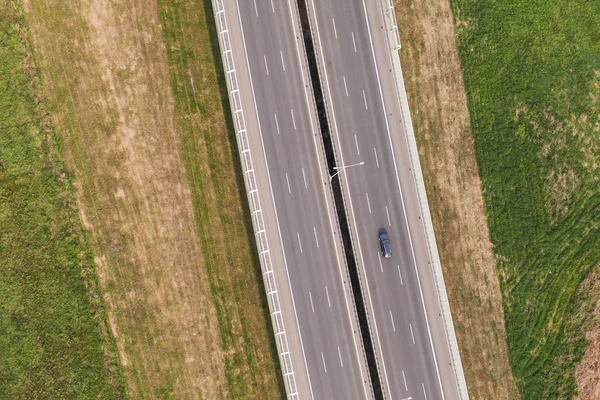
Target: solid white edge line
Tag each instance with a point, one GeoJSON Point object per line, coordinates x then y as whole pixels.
{"type": "Point", "coordinates": [402, 199]}
{"type": "Point", "coordinates": [325, 178]}
{"type": "Point", "coordinates": [312, 396]}
{"type": "Point", "coordinates": [349, 195]}
{"type": "Point", "coordinates": [323, 171]}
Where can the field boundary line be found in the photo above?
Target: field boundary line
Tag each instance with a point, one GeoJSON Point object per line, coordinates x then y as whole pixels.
{"type": "Point", "coordinates": [251, 186]}
{"type": "Point", "coordinates": [393, 40]}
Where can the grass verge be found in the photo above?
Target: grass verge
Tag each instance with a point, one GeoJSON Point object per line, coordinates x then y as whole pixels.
{"type": "Point", "coordinates": [209, 150]}
{"type": "Point", "coordinates": [54, 341]}
{"type": "Point", "coordinates": [532, 74]}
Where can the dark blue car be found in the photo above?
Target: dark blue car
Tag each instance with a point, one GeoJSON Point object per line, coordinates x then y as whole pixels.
{"type": "Point", "coordinates": [384, 243]}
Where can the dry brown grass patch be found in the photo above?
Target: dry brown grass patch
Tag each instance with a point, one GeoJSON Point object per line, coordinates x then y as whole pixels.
{"type": "Point", "coordinates": [438, 103]}
{"type": "Point", "coordinates": [588, 379]}
{"type": "Point", "coordinates": [104, 68]}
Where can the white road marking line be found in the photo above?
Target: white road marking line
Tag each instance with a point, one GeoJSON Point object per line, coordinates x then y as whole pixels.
{"type": "Point", "coordinates": [364, 98]}
{"type": "Point", "coordinates": [407, 398]}
{"type": "Point", "coordinates": [380, 264]}
{"type": "Point", "coordinates": [405, 385]}
{"type": "Point", "coordinates": [287, 178]}
{"type": "Point", "coordinates": [327, 293]}
{"type": "Point", "coordinates": [376, 159]}
{"type": "Point", "coordinates": [356, 141]}
{"type": "Point", "coordinates": [272, 6]}
{"type": "Point", "coordinates": [345, 86]}
{"type": "Point", "coordinates": [354, 42]}
{"type": "Point", "coordinates": [340, 354]}
{"type": "Point", "coordinates": [424, 393]}
{"type": "Point", "coordinates": [411, 333]}
{"type": "Point", "coordinates": [311, 302]}
{"type": "Point", "coordinates": [334, 30]}
{"type": "Point", "coordinates": [392, 318]}
{"type": "Point", "coordinates": [323, 358]}
{"type": "Point", "coordinates": [388, 216]}
{"type": "Point", "coordinates": [304, 176]}
{"type": "Point", "coordinates": [400, 275]}
{"type": "Point", "coordinates": [277, 124]}
{"type": "Point", "coordinates": [299, 242]}
{"type": "Point", "coordinates": [266, 66]}
{"type": "Point", "coordinates": [368, 202]}
{"type": "Point", "coordinates": [316, 238]}
{"type": "Point", "coordinates": [255, 8]}
{"type": "Point", "coordinates": [282, 62]}
{"type": "Point", "coordinates": [437, 369]}
{"type": "Point", "coordinates": [293, 119]}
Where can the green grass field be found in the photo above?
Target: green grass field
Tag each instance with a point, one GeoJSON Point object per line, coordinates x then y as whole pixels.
{"type": "Point", "coordinates": [532, 74]}
{"type": "Point", "coordinates": [53, 339]}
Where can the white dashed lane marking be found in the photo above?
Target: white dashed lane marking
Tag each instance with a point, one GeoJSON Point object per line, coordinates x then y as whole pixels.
{"type": "Point", "coordinates": [266, 65]}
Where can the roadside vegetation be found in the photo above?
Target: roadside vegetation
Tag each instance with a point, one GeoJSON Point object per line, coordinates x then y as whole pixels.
{"type": "Point", "coordinates": [438, 104]}
{"type": "Point", "coordinates": [54, 340]}
{"type": "Point", "coordinates": [209, 150]}
{"type": "Point", "coordinates": [532, 76]}
{"type": "Point", "coordinates": [134, 94]}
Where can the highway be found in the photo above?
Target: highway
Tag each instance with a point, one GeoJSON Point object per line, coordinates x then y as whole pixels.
{"type": "Point", "coordinates": [318, 309]}
{"type": "Point", "coordinates": [403, 307]}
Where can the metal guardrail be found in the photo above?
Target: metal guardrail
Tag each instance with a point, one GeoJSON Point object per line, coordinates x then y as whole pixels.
{"type": "Point", "coordinates": [254, 202]}
{"type": "Point", "coordinates": [390, 15]}
{"type": "Point", "coordinates": [394, 45]}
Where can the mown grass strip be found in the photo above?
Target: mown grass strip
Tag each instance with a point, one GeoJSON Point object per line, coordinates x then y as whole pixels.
{"type": "Point", "coordinates": [209, 151]}
{"type": "Point", "coordinates": [53, 337]}
{"type": "Point", "coordinates": [532, 73]}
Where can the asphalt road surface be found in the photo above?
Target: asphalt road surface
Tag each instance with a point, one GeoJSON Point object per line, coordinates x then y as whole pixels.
{"type": "Point", "coordinates": [332, 355]}
{"type": "Point", "coordinates": [404, 311]}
